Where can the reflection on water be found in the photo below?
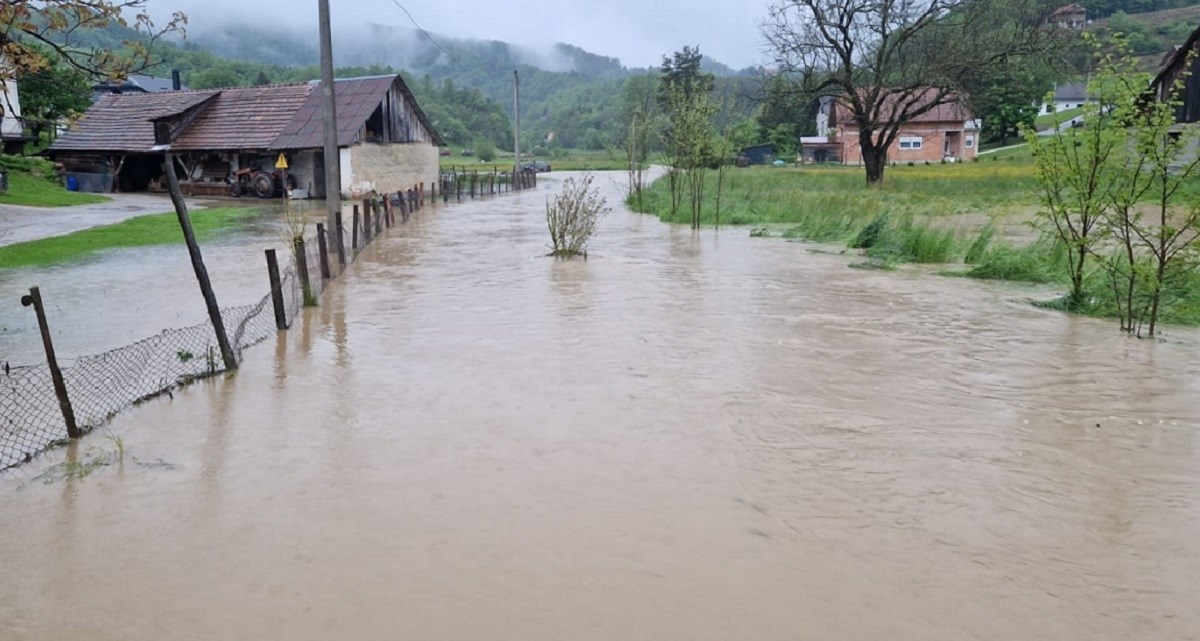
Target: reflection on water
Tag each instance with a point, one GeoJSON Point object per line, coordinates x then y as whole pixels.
{"type": "Point", "coordinates": [700, 436]}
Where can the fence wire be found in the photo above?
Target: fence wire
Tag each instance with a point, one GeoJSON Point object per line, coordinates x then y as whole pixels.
{"type": "Point", "coordinates": [102, 385]}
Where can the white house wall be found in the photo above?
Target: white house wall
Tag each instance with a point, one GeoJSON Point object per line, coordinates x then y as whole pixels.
{"type": "Point", "coordinates": [388, 168]}
{"type": "Point", "coordinates": [11, 101]}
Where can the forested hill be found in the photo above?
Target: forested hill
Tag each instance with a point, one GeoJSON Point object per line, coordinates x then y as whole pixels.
{"type": "Point", "coordinates": [464, 85]}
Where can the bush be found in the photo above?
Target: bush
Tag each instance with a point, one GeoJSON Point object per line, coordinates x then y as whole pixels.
{"type": "Point", "coordinates": [979, 246]}
{"type": "Point", "coordinates": [572, 216]}
{"type": "Point", "coordinates": [485, 150]}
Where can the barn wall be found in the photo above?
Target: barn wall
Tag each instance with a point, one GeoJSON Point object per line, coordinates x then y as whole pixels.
{"type": "Point", "coordinates": [389, 168]}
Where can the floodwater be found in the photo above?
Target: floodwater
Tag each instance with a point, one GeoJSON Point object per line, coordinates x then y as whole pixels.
{"type": "Point", "coordinates": [689, 436]}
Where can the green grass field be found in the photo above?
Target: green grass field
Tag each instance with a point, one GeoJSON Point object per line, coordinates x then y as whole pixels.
{"type": "Point", "coordinates": [29, 184]}
{"type": "Point", "coordinates": [569, 160]}
{"type": "Point", "coordinates": [1047, 121]}
{"type": "Point", "coordinates": [154, 229]}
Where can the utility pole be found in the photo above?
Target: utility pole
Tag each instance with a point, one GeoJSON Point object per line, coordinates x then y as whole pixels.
{"type": "Point", "coordinates": [333, 160]}
{"type": "Point", "coordinates": [206, 289]}
{"type": "Point", "coordinates": [517, 128]}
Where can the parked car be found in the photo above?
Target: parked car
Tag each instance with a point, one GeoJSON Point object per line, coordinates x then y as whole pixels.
{"type": "Point", "coordinates": [536, 166]}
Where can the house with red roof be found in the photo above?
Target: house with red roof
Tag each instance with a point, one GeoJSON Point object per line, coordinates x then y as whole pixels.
{"type": "Point", "coordinates": [947, 131]}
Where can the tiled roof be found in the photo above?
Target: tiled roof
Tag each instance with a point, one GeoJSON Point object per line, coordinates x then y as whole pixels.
{"type": "Point", "coordinates": [274, 117]}
{"type": "Point", "coordinates": [244, 118]}
{"type": "Point", "coordinates": [953, 110]}
{"type": "Point", "coordinates": [121, 122]}
{"type": "Point", "coordinates": [357, 99]}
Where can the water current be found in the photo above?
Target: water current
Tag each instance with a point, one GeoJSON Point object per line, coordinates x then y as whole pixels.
{"type": "Point", "coordinates": [688, 436]}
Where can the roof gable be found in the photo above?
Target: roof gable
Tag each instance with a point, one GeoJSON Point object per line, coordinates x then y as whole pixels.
{"type": "Point", "coordinates": [357, 99]}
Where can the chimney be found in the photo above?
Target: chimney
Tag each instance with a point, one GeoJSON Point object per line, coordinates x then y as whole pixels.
{"type": "Point", "coordinates": [175, 83]}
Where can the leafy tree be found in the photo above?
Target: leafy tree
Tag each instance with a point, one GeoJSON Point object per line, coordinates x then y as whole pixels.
{"type": "Point", "coordinates": [485, 150]}
{"type": "Point", "coordinates": [1007, 107]}
{"type": "Point", "coordinates": [33, 30]}
{"type": "Point", "coordinates": [682, 73]}
{"type": "Point", "coordinates": [215, 78]}
{"type": "Point", "coordinates": [890, 61]}
{"type": "Point", "coordinates": [52, 94]}
{"type": "Point", "coordinates": [262, 79]}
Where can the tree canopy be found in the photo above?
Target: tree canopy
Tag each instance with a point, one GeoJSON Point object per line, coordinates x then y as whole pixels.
{"type": "Point", "coordinates": [890, 61]}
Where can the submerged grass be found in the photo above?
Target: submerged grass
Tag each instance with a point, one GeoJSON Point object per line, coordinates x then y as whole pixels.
{"type": "Point", "coordinates": [154, 229]}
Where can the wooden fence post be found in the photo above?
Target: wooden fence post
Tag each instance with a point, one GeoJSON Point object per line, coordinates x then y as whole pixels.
{"type": "Point", "coordinates": [366, 223]}
{"type": "Point", "coordinates": [403, 205]}
{"type": "Point", "coordinates": [341, 246]}
{"type": "Point", "coordinates": [306, 291]}
{"type": "Point", "coordinates": [354, 232]}
{"type": "Point", "coordinates": [34, 297]}
{"type": "Point", "coordinates": [323, 247]}
{"type": "Point", "coordinates": [276, 291]}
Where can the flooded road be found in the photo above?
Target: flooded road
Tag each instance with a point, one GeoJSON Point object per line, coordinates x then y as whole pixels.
{"type": "Point", "coordinates": [686, 437]}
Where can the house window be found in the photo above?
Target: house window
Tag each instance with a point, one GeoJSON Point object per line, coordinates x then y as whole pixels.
{"type": "Point", "coordinates": [910, 142]}
{"type": "Point", "coordinates": [970, 141]}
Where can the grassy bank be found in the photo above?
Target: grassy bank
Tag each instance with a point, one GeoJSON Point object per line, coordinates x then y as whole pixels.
{"type": "Point", "coordinates": [972, 217]}
{"type": "Point", "coordinates": [155, 229]}
{"type": "Point", "coordinates": [30, 183]}
{"type": "Point", "coordinates": [809, 196]}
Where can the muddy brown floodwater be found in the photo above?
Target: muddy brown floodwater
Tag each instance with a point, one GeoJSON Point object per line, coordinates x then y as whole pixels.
{"type": "Point", "coordinates": [687, 437]}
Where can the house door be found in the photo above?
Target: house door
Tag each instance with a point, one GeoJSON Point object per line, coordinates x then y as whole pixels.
{"type": "Point", "coordinates": [953, 144]}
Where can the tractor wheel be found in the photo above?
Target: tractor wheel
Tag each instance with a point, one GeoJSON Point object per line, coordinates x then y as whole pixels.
{"type": "Point", "coordinates": [235, 189]}
{"type": "Point", "coordinates": [264, 185]}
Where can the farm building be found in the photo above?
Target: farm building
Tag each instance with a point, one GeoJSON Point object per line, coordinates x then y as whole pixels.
{"type": "Point", "coordinates": [385, 141]}
{"type": "Point", "coordinates": [1183, 63]}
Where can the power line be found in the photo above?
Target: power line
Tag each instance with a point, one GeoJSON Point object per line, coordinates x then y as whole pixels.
{"type": "Point", "coordinates": [422, 30]}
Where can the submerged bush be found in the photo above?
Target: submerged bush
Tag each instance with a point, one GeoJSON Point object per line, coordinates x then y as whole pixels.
{"type": "Point", "coordinates": [572, 216]}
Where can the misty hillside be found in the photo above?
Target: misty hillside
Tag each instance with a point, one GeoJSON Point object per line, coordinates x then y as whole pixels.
{"type": "Point", "coordinates": [464, 85]}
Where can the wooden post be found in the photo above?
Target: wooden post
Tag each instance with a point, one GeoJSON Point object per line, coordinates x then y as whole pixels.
{"type": "Point", "coordinates": [341, 242]}
{"type": "Point", "coordinates": [302, 270]}
{"type": "Point", "coordinates": [422, 195]}
{"type": "Point", "coordinates": [354, 232]}
{"type": "Point", "coordinates": [60, 387]}
{"type": "Point", "coordinates": [276, 291]}
{"type": "Point", "coordinates": [366, 223]}
{"type": "Point", "coordinates": [323, 247]}
{"type": "Point", "coordinates": [403, 206]}
{"type": "Point", "coordinates": [378, 219]}
{"type": "Point", "coordinates": [206, 290]}
{"type": "Point", "coordinates": [387, 210]}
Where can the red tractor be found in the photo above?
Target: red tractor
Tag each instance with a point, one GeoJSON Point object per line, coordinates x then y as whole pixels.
{"type": "Point", "coordinates": [264, 184]}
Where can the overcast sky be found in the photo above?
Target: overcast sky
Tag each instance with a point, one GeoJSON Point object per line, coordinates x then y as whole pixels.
{"type": "Point", "coordinates": [639, 32]}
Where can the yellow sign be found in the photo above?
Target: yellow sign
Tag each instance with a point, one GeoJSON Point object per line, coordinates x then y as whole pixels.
{"type": "Point", "coordinates": [281, 163]}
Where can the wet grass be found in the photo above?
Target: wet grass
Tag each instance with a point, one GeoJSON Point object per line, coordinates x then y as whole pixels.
{"type": "Point", "coordinates": [937, 214]}
{"type": "Point", "coordinates": [30, 184]}
{"type": "Point", "coordinates": [143, 231]}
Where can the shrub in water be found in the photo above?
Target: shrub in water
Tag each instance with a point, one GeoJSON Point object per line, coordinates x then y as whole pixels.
{"type": "Point", "coordinates": [869, 235]}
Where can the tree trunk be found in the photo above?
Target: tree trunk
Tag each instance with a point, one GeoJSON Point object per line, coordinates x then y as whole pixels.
{"type": "Point", "coordinates": [874, 158]}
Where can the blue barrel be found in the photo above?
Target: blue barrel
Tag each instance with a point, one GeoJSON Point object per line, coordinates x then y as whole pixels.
{"type": "Point", "coordinates": [72, 183]}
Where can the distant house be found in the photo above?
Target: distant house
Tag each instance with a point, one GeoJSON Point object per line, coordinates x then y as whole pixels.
{"type": "Point", "coordinates": [138, 83]}
{"type": "Point", "coordinates": [948, 131]}
{"type": "Point", "coordinates": [1071, 16]}
{"type": "Point", "coordinates": [386, 142]}
{"type": "Point", "coordinates": [1184, 60]}
{"type": "Point", "coordinates": [1070, 95]}
{"type": "Point", "coordinates": [825, 146]}
{"type": "Point", "coordinates": [12, 127]}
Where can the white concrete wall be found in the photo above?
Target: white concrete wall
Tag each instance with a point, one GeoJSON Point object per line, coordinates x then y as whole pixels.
{"type": "Point", "coordinates": [10, 99]}
{"type": "Point", "coordinates": [389, 167]}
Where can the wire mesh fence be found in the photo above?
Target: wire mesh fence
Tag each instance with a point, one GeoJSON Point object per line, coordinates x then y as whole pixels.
{"type": "Point", "coordinates": [101, 386]}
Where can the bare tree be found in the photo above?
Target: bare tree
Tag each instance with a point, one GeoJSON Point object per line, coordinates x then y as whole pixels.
{"type": "Point", "coordinates": [890, 61]}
